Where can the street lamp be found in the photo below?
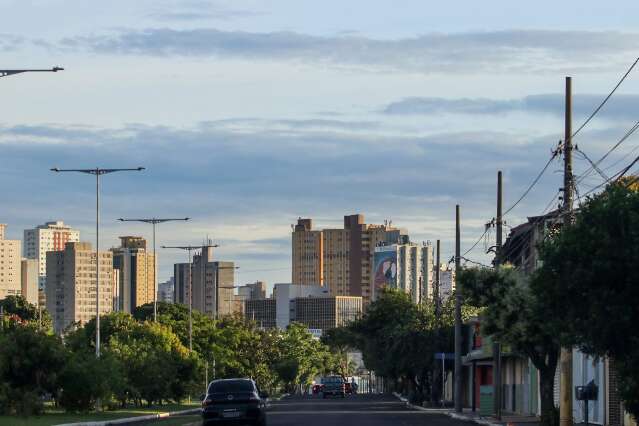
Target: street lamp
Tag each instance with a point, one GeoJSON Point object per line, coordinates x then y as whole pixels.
{"type": "Point", "coordinates": [154, 221]}
{"type": "Point", "coordinates": [97, 172]}
{"type": "Point", "coordinates": [189, 249]}
{"type": "Point", "coordinates": [6, 73]}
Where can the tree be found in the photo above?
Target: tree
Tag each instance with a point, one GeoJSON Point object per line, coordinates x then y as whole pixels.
{"type": "Point", "coordinates": [25, 312]}
{"type": "Point", "coordinates": [30, 362]}
{"type": "Point", "coordinates": [589, 277]}
{"type": "Point", "coordinates": [518, 315]}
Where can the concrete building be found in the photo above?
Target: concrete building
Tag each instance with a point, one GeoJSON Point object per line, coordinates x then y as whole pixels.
{"type": "Point", "coordinates": [340, 259]}
{"type": "Point", "coordinates": [181, 283]}
{"type": "Point", "coordinates": [408, 267]}
{"type": "Point", "coordinates": [52, 236]}
{"type": "Point", "coordinates": [284, 294]}
{"type": "Point", "coordinates": [29, 280]}
{"type": "Point", "coordinates": [325, 313]}
{"type": "Point", "coordinates": [71, 284]}
{"type": "Point", "coordinates": [213, 284]}
{"type": "Point", "coordinates": [136, 269]}
{"type": "Point", "coordinates": [166, 291]}
{"type": "Point", "coordinates": [10, 267]}
{"type": "Point", "coordinates": [262, 311]}
{"type": "Point", "coordinates": [252, 291]}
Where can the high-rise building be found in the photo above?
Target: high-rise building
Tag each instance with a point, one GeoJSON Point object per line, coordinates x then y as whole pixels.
{"type": "Point", "coordinates": [52, 236]}
{"type": "Point", "coordinates": [325, 313]}
{"type": "Point", "coordinates": [10, 268]}
{"type": "Point", "coordinates": [340, 259]}
{"type": "Point", "coordinates": [446, 281]}
{"type": "Point", "coordinates": [71, 284]}
{"type": "Point", "coordinates": [408, 267]}
{"type": "Point", "coordinates": [166, 290]}
{"type": "Point", "coordinates": [182, 283]}
{"type": "Point", "coordinates": [136, 270]}
{"type": "Point", "coordinates": [29, 280]}
{"type": "Point", "coordinates": [213, 284]}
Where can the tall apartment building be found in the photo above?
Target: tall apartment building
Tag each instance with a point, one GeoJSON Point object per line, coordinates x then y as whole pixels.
{"type": "Point", "coordinates": [408, 267]}
{"type": "Point", "coordinates": [182, 283]}
{"type": "Point", "coordinates": [213, 284]}
{"type": "Point", "coordinates": [446, 280]}
{"type": "Point", "coordinates": [136, 270]}
{"type": "Point", "coordinates": [340, 259]}
{"type": "Point", "coordinates": [71, 284]}
{"type": "Point", "coordinates": [10, 267]}
{"type": "Point", "coordinates": [52, 236]}
{"type": "Point", "coordinates": [29, 280]}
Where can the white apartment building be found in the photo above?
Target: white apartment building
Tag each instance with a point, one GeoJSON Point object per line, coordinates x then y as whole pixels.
{"type": "Point", "coordinates": [52, 236]}
{"type": "Point", "coordinates": [407, 267]}
{"type": "Point", "coordinates": [10, 266]}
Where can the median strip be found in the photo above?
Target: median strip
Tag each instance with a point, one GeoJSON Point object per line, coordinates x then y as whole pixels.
{"type": "Point", "coordinates": [136, 419]}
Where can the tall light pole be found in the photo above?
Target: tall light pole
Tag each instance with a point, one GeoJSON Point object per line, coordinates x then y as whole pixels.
{"type": "Point", "coordinates": [154, 221]}
{"type": "Point", "coordinates": [189, 249]}
{"type": "Point", "coordinates": [6, 73]}
{"type": "Point", "coordinates": [97, 172]}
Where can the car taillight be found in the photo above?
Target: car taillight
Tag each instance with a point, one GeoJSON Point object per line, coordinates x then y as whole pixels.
{"type": "Point", "coordinates": [254, 397]}
{"type": "Point", "coordinates": [207, 402]}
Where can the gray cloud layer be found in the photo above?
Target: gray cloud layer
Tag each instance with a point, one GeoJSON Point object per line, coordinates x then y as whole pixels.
{"type": "Point", "coordinates": [620, 107]}
{"type": "Point", "coordinates": [515, 50]}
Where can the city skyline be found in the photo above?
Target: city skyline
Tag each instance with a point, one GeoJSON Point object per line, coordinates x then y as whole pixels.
{"type": "Point", "coordinates": [322, 130]}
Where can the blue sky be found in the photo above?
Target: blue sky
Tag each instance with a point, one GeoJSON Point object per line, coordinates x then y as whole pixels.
{"type": "Point", "coordinates": [248, 114]}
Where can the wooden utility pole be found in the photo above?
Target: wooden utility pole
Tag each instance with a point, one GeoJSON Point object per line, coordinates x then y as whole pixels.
{"type": "Point", "coordinates": [497, 345]}
{"type": "Point", "coordinates": [565, 384]}
{"type": "Point", "coordinates": [458, 322]}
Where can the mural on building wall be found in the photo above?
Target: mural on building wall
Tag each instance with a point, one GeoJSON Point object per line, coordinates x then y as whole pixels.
{"type": "Point", "coordinates": [385, 268]}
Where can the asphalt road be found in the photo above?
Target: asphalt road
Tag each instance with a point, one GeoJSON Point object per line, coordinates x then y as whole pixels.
{"type": "Point", "coordinates": [365, 410]}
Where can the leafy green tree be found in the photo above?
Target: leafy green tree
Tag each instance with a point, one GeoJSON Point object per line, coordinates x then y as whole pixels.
{"type": "Point", "coordinates": [24, 312]}
{"type": "Point", "coordinates": [517, 314]}
{"type": "Point", "coordinates": [589, 278]}
{"type": "Point", "coordinates": [30, 362]}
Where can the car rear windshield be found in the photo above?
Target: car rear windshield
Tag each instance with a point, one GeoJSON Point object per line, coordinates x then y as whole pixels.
{"type": "Point", "coordinates": [229, 386]}
{"type": "Point", "coordinates": [332, 380]}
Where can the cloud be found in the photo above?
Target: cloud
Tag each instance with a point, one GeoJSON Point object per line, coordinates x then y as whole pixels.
{"type": "Point", "coordinates": [525, 51]}
{"type": "Point", "coordinates": [620, 107]}
{"type": "Point", "coordinates": [244, 181]}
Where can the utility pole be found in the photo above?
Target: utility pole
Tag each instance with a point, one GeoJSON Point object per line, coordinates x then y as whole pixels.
{"type": "Point", "coordinates": [437, 289]}
{"type": "Point", "coordinates": [497, 345]}
{"type": "Point", "coordinates": [565, 361]}
{"type": "Point", "coordinates": [458, 322]}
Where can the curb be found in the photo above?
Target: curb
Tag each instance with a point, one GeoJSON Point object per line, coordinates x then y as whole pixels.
{"type": "Point", "coordinates": [427, 410]}
{"type": "Point", "coordinates": [478, 421]}
{"type": "Point", "coordinates": [136, 419]}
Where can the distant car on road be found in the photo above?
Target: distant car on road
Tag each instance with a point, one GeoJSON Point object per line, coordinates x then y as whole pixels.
{"type": "Point", "coordinates": [333, 385]}
{"type": "Point", "coordinates": [234, 401]}
{"type": "Point", "coordinates": [317, 389]}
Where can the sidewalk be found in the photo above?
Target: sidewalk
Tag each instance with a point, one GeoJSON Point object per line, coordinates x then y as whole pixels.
{"type": "Point", "coordinates": [136, 419]}
{"type": "Point", "coordinates": [506, 419]}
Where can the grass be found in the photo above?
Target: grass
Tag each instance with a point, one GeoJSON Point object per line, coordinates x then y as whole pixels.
{"type": "Point", "coordinates": [56, 417]}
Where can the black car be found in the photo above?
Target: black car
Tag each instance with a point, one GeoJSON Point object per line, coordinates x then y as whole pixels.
{"type": "Point", "coordinates": [234, 401]}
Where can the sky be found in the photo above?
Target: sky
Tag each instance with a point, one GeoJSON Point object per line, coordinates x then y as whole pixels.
{"type": "Point", "coordinates": [250, 114]}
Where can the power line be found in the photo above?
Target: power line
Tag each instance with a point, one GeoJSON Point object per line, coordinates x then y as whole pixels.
{"type": "Point", "coordinates": [605, 99]}
{"type": "Point", "coordinates": [487, 226]}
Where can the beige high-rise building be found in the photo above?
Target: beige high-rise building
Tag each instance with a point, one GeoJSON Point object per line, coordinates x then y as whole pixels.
{"type": "Point", "coordinates": [71, 284]}
{"type": "Point", "coordinates": [213, 284]}
{"type": "Point", "coordinates": [136, 273]}
{"type": "Point", "coordinates": [10, 268]}
{"type": "Point", "coordinates": [52, 236]}
{"type": "Point", "coordinates": [29, 280]}
{"type": "Point", "coordinates": [340, 259]}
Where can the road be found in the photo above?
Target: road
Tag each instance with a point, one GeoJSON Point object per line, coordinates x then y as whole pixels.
{"type": "Point", "coordinates": [365, 410]}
